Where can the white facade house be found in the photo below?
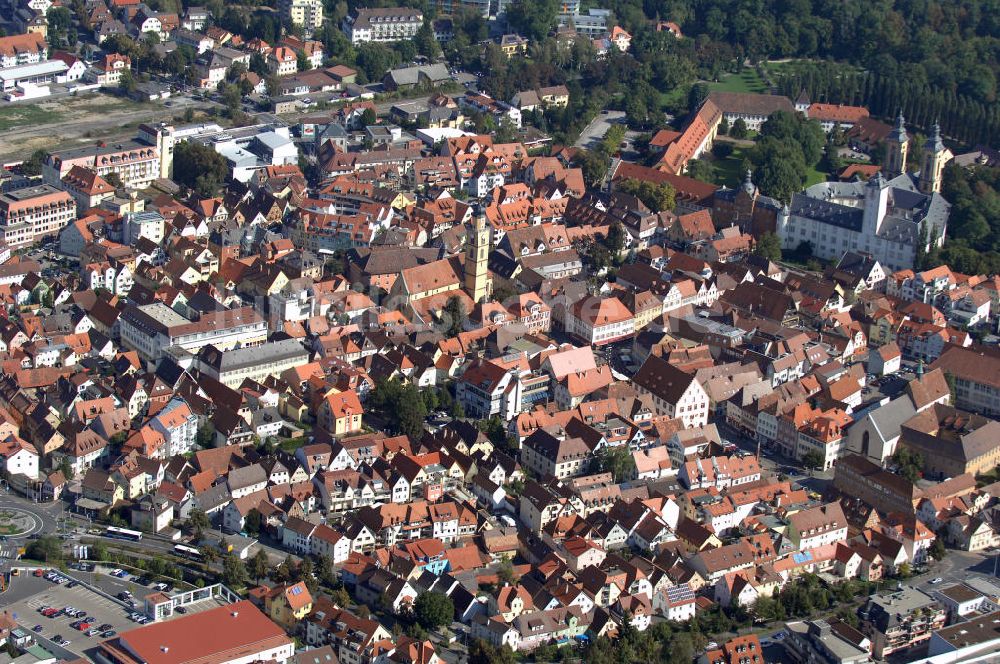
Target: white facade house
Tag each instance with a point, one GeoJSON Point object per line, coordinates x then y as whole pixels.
{"type": "Point", "coordinates": [178, 425]}
{"type": "Point", "coordinates": [675, 393]}
{"type": "Point", "coordinates": [17, 457]}
{"type": "Point", "coordinates": [386, 24]}
{"type": "Point", "coordinates": [307, 13]}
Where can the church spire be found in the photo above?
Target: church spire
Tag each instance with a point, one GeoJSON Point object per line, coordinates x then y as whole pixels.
{"type": "Point", "coordinates": [897, 145]}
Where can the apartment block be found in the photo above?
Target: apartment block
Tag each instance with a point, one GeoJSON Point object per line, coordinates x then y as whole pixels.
{"type": "Point", "coordinates": [30, 214]}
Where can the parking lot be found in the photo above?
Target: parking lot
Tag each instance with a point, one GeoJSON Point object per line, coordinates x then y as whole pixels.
{"type": "Point", "coordinates": [29, 595]}
{"type": "Point", "coordinates": [36, 593]}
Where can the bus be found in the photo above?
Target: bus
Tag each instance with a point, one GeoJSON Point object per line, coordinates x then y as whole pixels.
{"type": "Point", "coordinates": [187, 552]}
{"type": "Point", "coordinates": [123, 533]}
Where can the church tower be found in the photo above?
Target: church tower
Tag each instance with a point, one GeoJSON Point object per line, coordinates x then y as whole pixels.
{"type": "Point", "coordinates": [477, 281]}
{"type": "Point", "coordinates": [932, 162]}
{"type": "Point", "coordinates": [897, 145]}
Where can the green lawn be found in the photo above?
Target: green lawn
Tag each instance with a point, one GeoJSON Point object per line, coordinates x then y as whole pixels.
{"type": "Point", "coordinates": [814, 177]}
{"type": "Point", "coordinates": [16, 116]}
{"type": "Point", "coordinates": [729, 172]}
{"type": "Point", "coordinates": [745, 81]}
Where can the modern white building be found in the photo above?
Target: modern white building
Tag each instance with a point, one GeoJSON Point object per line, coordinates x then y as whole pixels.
{"type": "Point", "coordinates": [250, 149]}
{"type": "Point", "coordinates": [152, 328]}
{"type": "Point", "coordinates": [178, 425]}
{"type": "Point", "coordinates": [234, 366]}
{"type": "Point", "coordinates": [35, 74]}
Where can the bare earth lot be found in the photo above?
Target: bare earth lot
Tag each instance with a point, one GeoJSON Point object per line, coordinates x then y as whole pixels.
{"type": "Point", "coordinates": [68, 121]}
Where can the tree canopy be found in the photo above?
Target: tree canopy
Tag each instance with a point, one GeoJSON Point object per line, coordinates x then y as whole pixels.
{"type": "Point", "coordinates": [973, 241]}
{"type": "Point", "coordinates": [769, 247]}
{"type": "Point", "coordinates": [788, 145]}
{"type": "Point", "coordinates": [657, 197]}
{"type": "Point", "coordinates": [401, 405]}
{"type": "Point", "coordinates": [433, 609]}
{"type": "Point", "coordinates": [533, 18]}
{"type": "Point", "coordinates": [199, 167]}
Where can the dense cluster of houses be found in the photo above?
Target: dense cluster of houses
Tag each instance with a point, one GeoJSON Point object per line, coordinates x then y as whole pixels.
{"type": "Point", "coordinates": [221, 353]}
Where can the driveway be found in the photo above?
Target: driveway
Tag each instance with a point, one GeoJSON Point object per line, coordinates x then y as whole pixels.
{"type": "Point", "coordinates": [593, 133]}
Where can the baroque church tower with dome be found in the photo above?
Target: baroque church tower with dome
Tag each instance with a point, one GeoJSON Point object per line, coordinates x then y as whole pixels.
{"type": "Point", "coordinates": [884, 218]}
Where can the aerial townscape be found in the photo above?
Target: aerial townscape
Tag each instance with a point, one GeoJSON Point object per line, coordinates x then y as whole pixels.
{"type": "Point", "coordinates": [499, 331]}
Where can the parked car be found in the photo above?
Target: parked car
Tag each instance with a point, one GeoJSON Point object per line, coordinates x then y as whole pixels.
{"type": "Point", "coordinates": [107, 634]}
{"type": "Point", "coordinates": [93, 631]}
{"type": "Point", "coordinates": [181, 609]}
{"type": "Point", "coordinates": [37, 629]}
{"type": "Point", "coordinates": [105, 627]}
{"type": "Point", "coordinates": [936, 580]}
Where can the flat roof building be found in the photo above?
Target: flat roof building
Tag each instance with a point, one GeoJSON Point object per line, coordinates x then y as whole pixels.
{"type": "Point", "coordinates": [31, 213]}
{"type": "Point", "coordinates": [825, 642]}
{"type": "Point", "coordinates": [234, 366]}
{"type": "Point", "coordinates": [152, 328]}
{"type": "Point", "coordinates": [960, 642]}
{"type": "Point", "coordinates": [37, 73]}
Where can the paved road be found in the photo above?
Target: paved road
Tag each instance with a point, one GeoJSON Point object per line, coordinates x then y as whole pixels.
{"type": "Point", "coordinates": [44, 516]}
{"type": "Point", "coordinates": [592, 134]}
{"type": "Point", "coordinates": [770, 460]}
{"type": "Point", "coordinates": [956, 567]}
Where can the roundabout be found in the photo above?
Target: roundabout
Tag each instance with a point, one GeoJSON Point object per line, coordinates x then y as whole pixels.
{"type": "Point", "coordinates": [16, 523]}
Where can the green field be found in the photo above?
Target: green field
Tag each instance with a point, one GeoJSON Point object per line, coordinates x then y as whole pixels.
{"type": "Point", "coordinates": [15, 116]}
{"type": "Point", "coordinates": [745, 81]}
{"type": "Point", "coordinates": [814, 177]}
{"type": "Point", "coordinates": [729, 172]}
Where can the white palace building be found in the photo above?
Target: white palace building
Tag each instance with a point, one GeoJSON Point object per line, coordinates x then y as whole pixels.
{"type": "Point", "coordinates": [880, 217]}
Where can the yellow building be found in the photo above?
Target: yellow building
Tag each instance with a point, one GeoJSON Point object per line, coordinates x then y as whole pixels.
{"type": "Point", "coordinates": [341, 413]}
{"type": "Point", "coordinates": [477, 279]}
{"type": "Point", "coordinates": [307, 13]}
{"type": "Point", "coordinates": [932, 162]}
{"type": "Point", "coordinates": [286, 605]}
{"type": "Point", "coordinates": [512, 45]}
{"type": "Point", "coordinates": [897, 146]}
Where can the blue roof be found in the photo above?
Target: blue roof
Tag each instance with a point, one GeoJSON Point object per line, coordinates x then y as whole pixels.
{"type": "Point", "coordinates": [802, 557]}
